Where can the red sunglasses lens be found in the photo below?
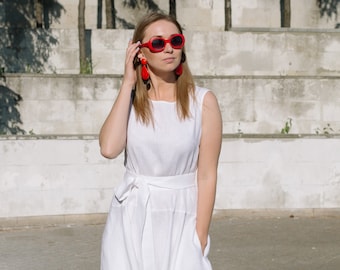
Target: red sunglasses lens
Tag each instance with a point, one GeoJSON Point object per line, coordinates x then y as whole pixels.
{"type": "Point", "coordinates": [176, 42]}
{"type": "Point", "coordinates": [158, 44]}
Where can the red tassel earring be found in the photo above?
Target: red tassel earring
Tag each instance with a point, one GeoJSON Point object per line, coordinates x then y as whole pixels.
{"type": "Point", "coordinates": [145, 73]}
{"type": "Point", "coordinates": [179, 70]}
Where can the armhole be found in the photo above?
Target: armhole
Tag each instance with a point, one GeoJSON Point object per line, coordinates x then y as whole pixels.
{"type": "Point", "coordinates": [200, 94]}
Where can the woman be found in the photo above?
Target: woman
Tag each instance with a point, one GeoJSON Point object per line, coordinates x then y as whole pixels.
{"type": "Point", "coordinates": [170, 131]}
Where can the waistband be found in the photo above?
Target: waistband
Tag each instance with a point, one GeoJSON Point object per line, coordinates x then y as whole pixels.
{"type": "Point", "coordinates": [172, 182]}
{"type": "Point", "coordinates": [142, 182]}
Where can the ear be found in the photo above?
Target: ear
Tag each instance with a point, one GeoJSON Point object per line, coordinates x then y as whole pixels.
{"type": "Point", "coordinates": [140, 55]}
{"type": "Point", "coordinates": [137, 60]}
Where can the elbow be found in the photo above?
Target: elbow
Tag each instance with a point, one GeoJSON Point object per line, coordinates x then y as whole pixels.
{"type": "Point", "coordinates": [111, 148]}
{"type": "Point", "coordinates": [108, 154]}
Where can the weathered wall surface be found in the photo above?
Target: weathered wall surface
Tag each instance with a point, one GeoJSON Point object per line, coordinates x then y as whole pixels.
{"type": "Point", "coordinates": [66, 104]}
{"type": "Point", "coordinates": [52, 177]}
{"type": "Point", "coordinates": [261, 77]}
{"type": "Point", "coordinates": [228, 53]}
{"type": "Point", "coordinates": [200, 15]}
{"type": "Point", "coordinates": [266, 14]}
{"type": "Point", "coordinates": [66, 175]}
{"type": "Point", "coordinates": [220, 53]}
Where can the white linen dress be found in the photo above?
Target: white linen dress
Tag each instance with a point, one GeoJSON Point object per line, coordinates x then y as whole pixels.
{"type": "Point", "coordinates": [151, 224]}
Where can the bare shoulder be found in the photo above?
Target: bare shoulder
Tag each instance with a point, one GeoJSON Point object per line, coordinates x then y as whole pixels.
{"type": "Point", "coordinates": [211, 114]}
{"type": "Point", "coordinates": [210, 101]}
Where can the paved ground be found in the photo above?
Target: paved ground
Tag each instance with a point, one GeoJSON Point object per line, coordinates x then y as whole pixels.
{"type": "Point", "coordinates": [238, 243]}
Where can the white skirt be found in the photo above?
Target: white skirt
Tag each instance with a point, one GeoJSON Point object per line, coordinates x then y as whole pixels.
{"type": "Point", "coordinates": [151, 225]}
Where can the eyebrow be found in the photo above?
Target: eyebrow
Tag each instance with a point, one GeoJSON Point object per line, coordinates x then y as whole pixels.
{"type": "Point", "coordinates": [161, 36]}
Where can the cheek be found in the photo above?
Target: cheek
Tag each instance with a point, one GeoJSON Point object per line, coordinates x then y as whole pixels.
{"type": "Point", "coordinates": [153, 61]}
{"type": "Point", "coordinates": [150, 57]}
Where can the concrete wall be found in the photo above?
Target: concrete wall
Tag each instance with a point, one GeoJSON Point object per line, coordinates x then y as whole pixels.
{"type": "Point", "coordinates": [229, 53]}
{"type": "Point", "coordinates": [73, 104]}
{"type": "Point", "coordinates": [305, 14]}
{"type": "Point", "coordinates": [43, 176]}
{"type": "Point", "coordinates": [208, 15]}
{"type": "Point", "coordinates": [276, 52]}
{"type": "Point", "coordinates": [199, 15]}
{"type": "Point", "coordinates": [261, 79]}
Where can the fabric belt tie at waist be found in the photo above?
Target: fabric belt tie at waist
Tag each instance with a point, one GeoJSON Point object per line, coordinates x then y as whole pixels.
{"type": "Point", "coordinates": [132, 180]}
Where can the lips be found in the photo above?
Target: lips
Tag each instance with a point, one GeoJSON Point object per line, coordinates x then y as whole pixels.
{"type": "Point", "coordinates": [169, 59]}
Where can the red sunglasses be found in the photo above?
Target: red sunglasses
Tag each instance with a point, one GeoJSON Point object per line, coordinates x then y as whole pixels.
{"type": "Point", "coordinates": [157, 44]}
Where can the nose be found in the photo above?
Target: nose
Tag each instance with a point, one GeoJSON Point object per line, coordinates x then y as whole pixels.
{"type": "Point", "coordinates": [168, 48]}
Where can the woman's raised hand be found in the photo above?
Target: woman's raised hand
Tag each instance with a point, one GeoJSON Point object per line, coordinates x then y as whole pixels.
{"type": "Point", "coordinates": [130, 76]}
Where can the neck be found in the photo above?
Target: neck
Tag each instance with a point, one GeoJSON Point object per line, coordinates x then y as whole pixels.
{"type": "Point", "coordinates": [162, 90]}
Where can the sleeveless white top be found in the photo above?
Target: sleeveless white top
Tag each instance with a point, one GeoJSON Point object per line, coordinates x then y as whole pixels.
{"type": "Point", "coordinates": [152, 220]}
{"type": "Point", "coordinates": [170, 147]}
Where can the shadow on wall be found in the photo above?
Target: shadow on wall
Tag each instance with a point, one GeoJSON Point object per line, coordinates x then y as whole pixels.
{"type": "Point", "coordinates": [136, 7]}
{"type": "Point", "coordinates": [329, 8]}
{"type": "Point", "coordinates": [23, 48]}
{"type": "Point", "coordinates": [9, 114]}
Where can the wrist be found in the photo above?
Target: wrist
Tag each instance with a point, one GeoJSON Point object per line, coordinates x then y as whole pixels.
{"type": "Point", "coordinates": [203, 236]}
{"type": "Point", "coordinates": [128, 85]}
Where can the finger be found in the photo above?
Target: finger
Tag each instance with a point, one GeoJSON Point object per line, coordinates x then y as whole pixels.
{"type": "Point", "coordinates": [132, 51]}
{"type": "Point", "coordinates": [132, 46]}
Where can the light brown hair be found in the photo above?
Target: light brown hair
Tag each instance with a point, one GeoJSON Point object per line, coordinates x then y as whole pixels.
{"type": "Point", "coordinates": [185, 82]}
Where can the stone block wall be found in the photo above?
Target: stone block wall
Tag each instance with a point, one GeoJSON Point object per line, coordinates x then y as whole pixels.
{"type": "Point", "coordinates": [280, 53]}
{"type": "Point", "coordinates": [206, 15]}
{"type": "Point", "coordinates": [261, 79]}
{"type": "Point", "coordinates": [65, 175]}
{"type": "Point", "coordinates": [73, 104]}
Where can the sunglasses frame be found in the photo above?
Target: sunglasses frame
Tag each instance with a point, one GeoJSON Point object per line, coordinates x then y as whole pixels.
{"type": "Point", "coordinates": [152, 49]}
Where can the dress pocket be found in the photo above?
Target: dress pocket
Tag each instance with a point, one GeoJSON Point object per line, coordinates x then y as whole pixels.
{"type": "Point", "coordinates": [198, 245]}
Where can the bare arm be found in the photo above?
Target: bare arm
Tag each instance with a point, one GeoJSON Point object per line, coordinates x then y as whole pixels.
{"type": "Point", "coordinates": [112, 136]}
{"type": "Point", "coordinates": [210, 147]}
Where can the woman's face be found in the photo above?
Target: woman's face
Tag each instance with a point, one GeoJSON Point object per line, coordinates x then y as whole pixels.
{"type": "Point", "coordinates": [167, 60]}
